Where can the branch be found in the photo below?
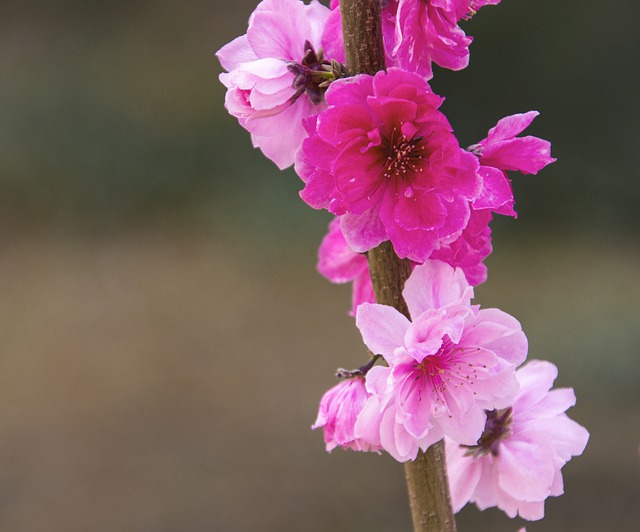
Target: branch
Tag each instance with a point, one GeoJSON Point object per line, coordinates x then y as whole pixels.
{"type": "Point", "coordinates": [426, 476]}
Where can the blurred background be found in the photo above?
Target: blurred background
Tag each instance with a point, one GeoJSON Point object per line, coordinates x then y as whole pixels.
{"type": "Point", "coordinates": [164, 337]}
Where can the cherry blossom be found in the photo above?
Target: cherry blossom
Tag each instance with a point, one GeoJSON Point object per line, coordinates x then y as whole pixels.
{"type": "Point", "coordinates": [340, 264]}
{"type": "Point", "coordinates": [276, 74]}
{"type": "Point", "coordinates": [516, 463]}
{"type": "Point", "coordinates": [446, 367]}
{"type": "Point", "coordinates": [385, 158]}
{"type": "Point", "coordinates": [502, 150]}
{"type": "Point", "coordinates": [418, 33]}
{"type": "Point", "coordinates": [337, 415]}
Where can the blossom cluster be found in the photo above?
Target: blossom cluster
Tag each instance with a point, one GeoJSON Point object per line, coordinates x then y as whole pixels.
{"type": "Point", "coordinates": [378, 153]}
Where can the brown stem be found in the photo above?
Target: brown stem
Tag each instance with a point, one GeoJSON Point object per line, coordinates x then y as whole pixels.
{"type": "Point", "coordinates": [362, 33]}
{"type": "Point", "coordinates": [427, 475]}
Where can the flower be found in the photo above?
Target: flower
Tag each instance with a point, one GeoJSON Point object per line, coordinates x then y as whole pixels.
{"type": "Point", "coordinates": [418, 33]}
{"type": "Point", "coordinates": [275, 74]}
{"type": "Point", "coordinates": [339, 264]}
{"type": "Point", "coordinates": [385, 158]}
{"type": "Point", "coordinates": [471, 248]}
{"type": "Point", "coordinates": [337, 414]}
{"type": "Point", "coordinates": [502, 150]}
{"type": "Point", "coordinates": [516, 463]}
{"type": "Point", "coordinates": [446, 367]}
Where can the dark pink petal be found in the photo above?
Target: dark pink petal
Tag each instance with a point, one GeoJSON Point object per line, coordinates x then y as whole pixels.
{"type": "Point", "coordinates": [353, 90]}
{"type": "Point", "coordinates": [392, 111]}
{"type": "Point", "coordinates": [337, 414]}
{"type": "Point", "coordinates": [496, 194]}
{"type": "Point", "coordinates": [528, 155]}
{"type": "Point", "coordinates": [344, 124]}
{"type": "Point", "coordinates": [363, 231]}
{"type": "Point", "coordinates": [362, 291]}
{"type": "Point", "coordinates": [332, 42]}
{"type": "Point", "coordinates": [358, 177]}
{"type": "Point", "coordinates": [509, 127]}
{"type": "Point", "coordinates": [336, 261]}
{"type": "Point", "coordinates": [418, 209]}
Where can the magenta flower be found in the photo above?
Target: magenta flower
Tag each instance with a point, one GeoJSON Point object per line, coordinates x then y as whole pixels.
{"type": "Point", "coordinates": [339, 264]}
{"type": "Point", "coordinates": [418, 33]}
{"type": "Point", "coordinates": [470, 249]}
{"type": "Point", "coordinates": [337, 415]}
{"type": "Point", "coordinates": [502, 150]}
{"type": "Point", "coordinates": [274, 73]}
{"type": "Point", "coordinates": [383, 156]}
{"type": "Point", "coordinates": [446, 367]}
{"type": "Point", "coordinates": [516, 463]}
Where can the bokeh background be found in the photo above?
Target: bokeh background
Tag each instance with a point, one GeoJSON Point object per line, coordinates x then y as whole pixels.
{"type": "Point", "coordinates": [164, 337]}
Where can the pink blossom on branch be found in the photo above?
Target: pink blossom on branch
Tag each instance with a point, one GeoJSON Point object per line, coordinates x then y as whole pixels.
{"type": "Point", "coordinates": [337, 415]}
{"type": "Point", "coordinates": [274, 73]}
{"type": "Point", "coordinates": [338, 263]}
{"type": "Point", "coordinates": [418, 33]}
{"type": "Point", "coordinates": [503, 150]}
{"type": "Point", "coordinates": [385, 158]}
{"type": "Point", "coordinates": [516, 463]}
{"type": "Point", "coordinates": [447, 366]}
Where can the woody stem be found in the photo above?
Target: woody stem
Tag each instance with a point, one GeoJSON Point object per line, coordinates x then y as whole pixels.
{"type": "Point", "coordinates": [426, 476]}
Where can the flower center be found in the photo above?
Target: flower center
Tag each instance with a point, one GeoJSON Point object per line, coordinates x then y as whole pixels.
{"type": "Point", "coordinates": [404, 155]}
{"type": "Point", "coordinates": [314, 74]}
{"type": "Point", "coordinates": [497, 428]}
{"type": "Point", "coordinates": [449, 367]}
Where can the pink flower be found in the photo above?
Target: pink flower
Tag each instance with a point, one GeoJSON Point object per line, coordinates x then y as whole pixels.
{"type": "Point", "coordinates": [446, 367]}
{"type": "Point", "coordinates": [502, 151]}
{"type": "Point", "coordinates": [516, 463]}
{"type": "Point", "coordinates": [471, 248]}
{"type": "Point", "coordinates": [339, 264]}
{"type": "Point", "coordinates": [383, 156]}
{"type": "Point", "coordinates": [337, 415]}
{"type": "Point", "coordinates": [418, 33]}
{"type": "Point", "coordinates": [274, 72]}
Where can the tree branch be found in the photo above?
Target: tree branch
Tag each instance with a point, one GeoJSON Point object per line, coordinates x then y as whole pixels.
{"type": "Point", "coordinates": [427, 475]}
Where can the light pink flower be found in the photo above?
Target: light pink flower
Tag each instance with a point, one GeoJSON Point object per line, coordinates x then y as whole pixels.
{"type": "Point", "coordinates": [502, 150]}
{"type": "Point", "coordinates": [273, 74]}
{"type": "Point", "coordinates": [516, 463]}
{"type": "Point", "coordinates": [383, 156]}
{"type": "Point", "coordinates": [446, 367]}
{"type": "Point", "coordinates": [337, 415]}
